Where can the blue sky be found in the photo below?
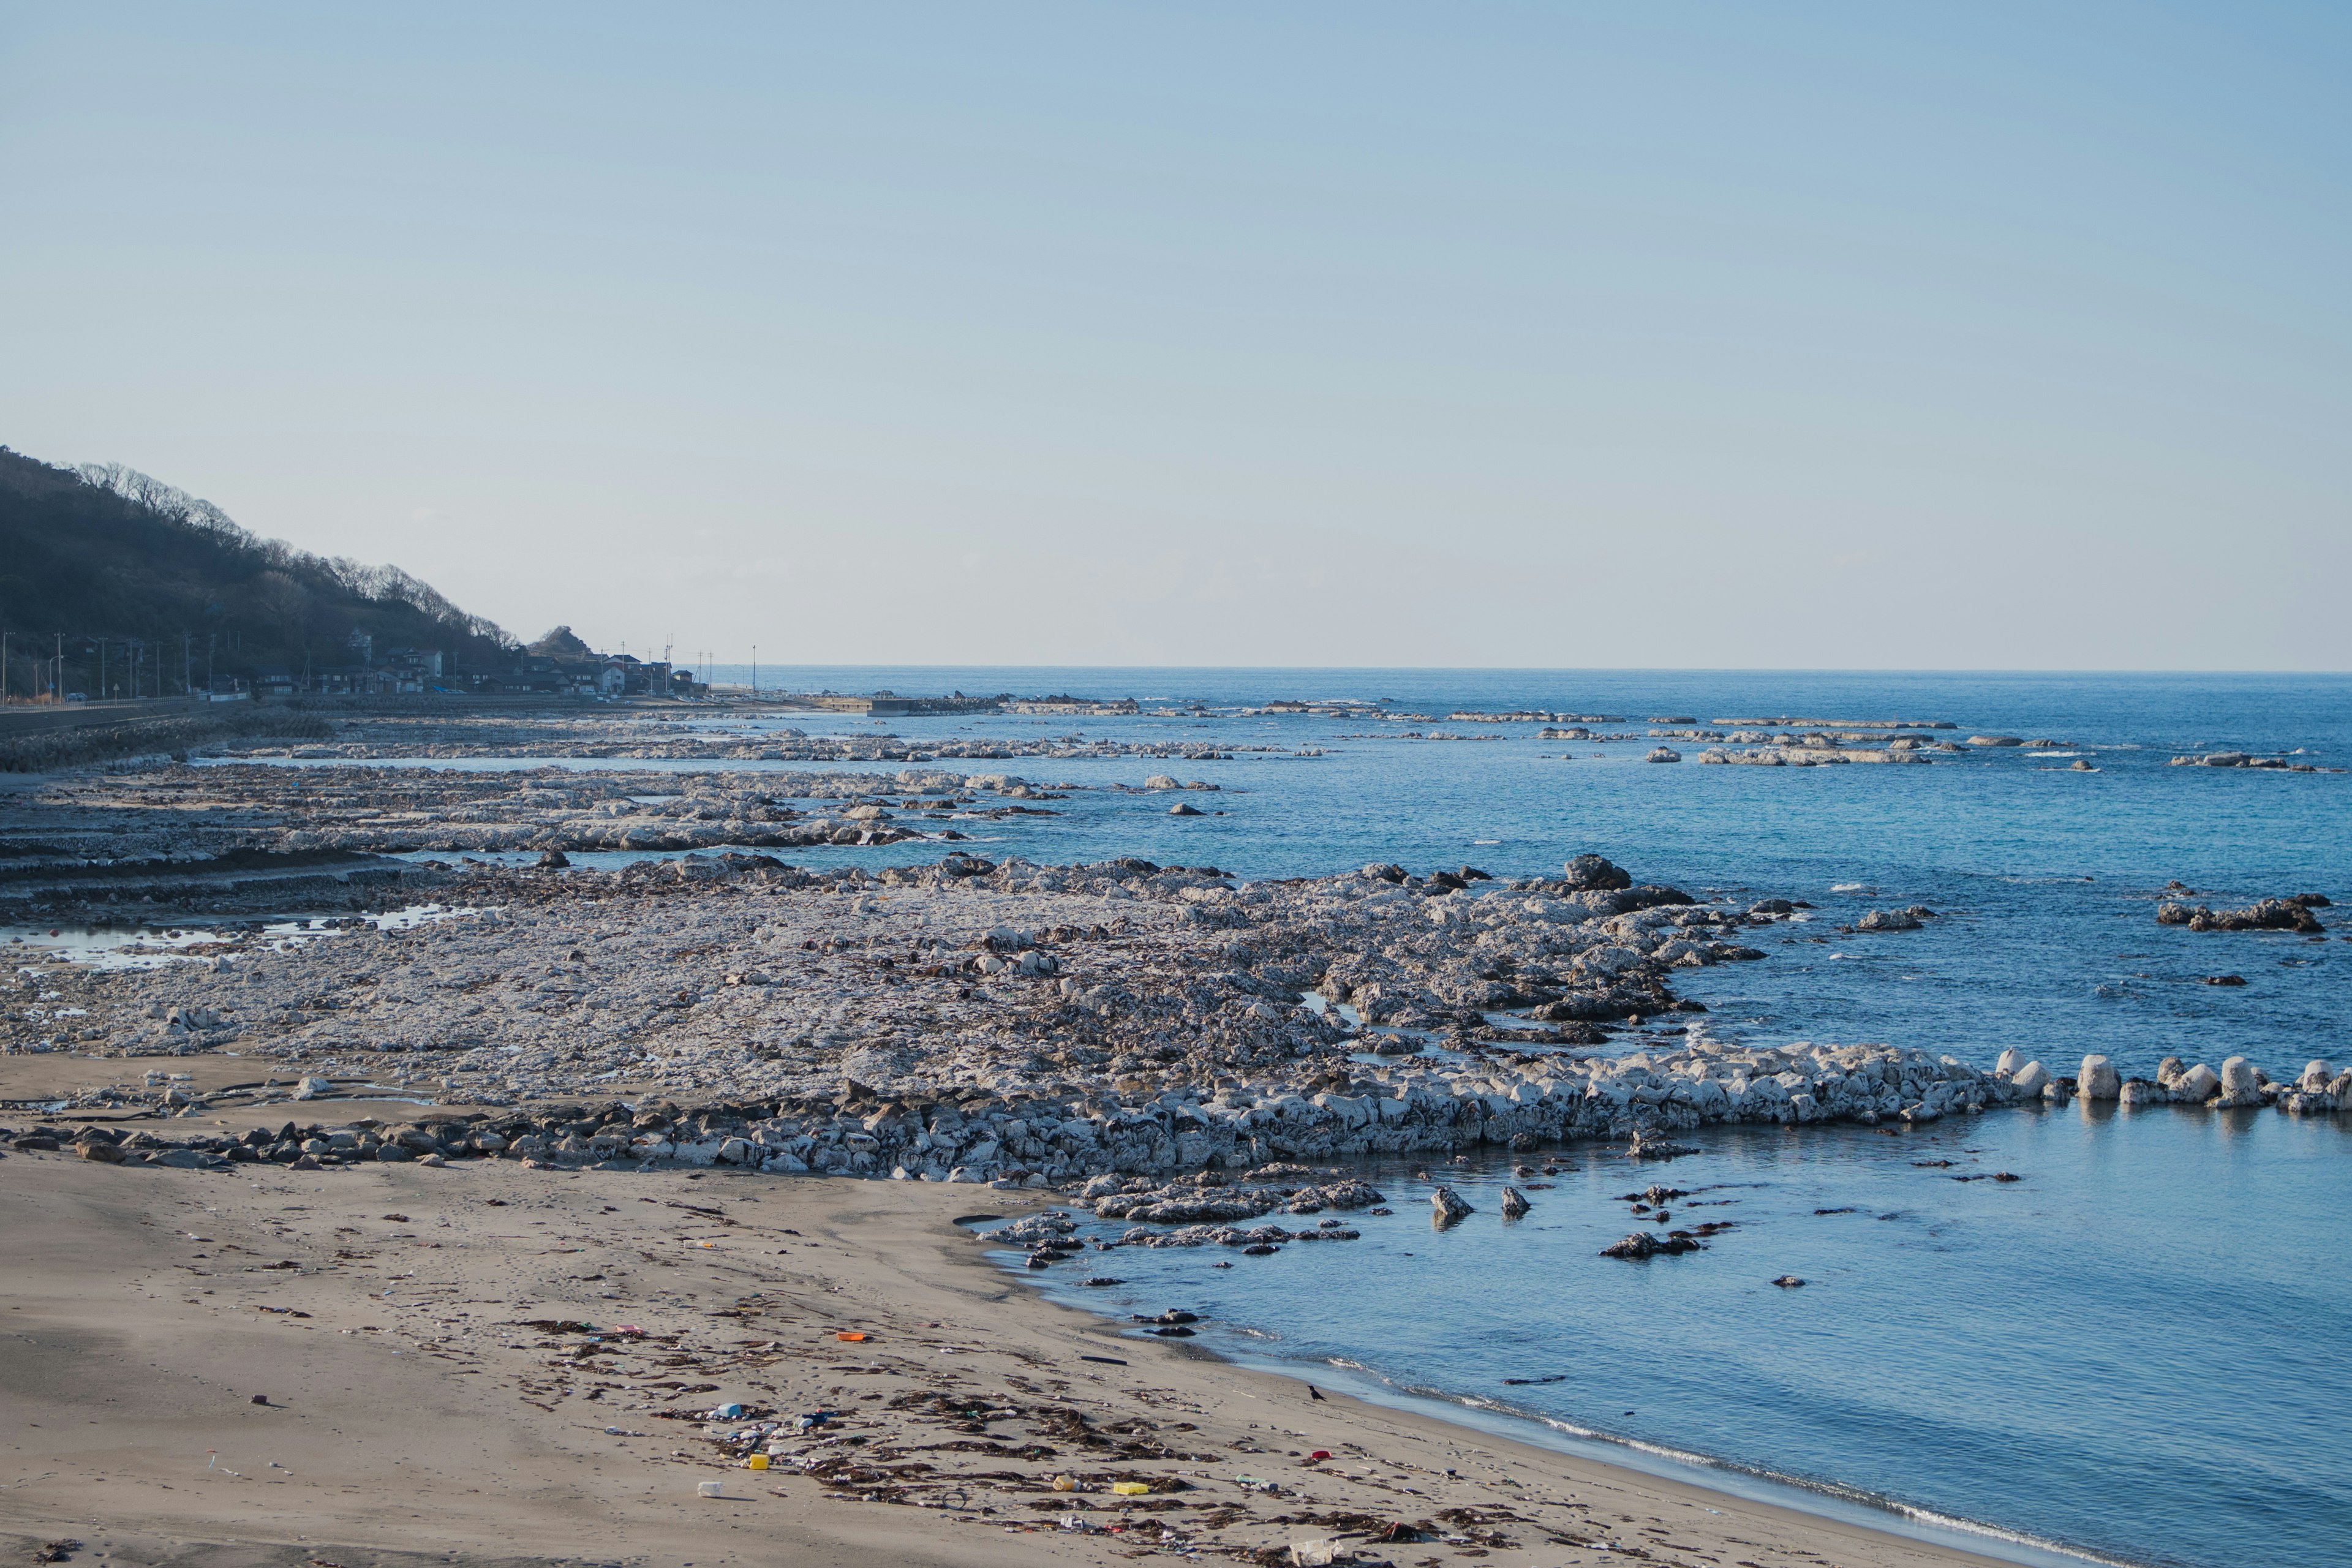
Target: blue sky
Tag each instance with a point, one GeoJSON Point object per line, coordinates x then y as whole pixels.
{"type": "Point", "coordinates": [1479, 334]}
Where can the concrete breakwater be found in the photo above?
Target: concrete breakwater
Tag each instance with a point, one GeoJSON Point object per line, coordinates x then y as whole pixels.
{"type": "Point", "coordinates": [1018, 1140]}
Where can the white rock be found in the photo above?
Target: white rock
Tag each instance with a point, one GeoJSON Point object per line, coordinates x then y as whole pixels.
{"type": "Point", "coordinates": [2240, 1084]}
{"type": "Point", "coordinates": [2030, 1080]}
{"type": "Point", "coordinates": [2097, 1079]}
{"type": "Point", "coordinates": [2196, 1086]}
{"type": "Point", "coordinates": [2010, 1060]}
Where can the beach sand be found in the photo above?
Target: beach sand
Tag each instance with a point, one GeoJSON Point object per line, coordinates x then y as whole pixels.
{"type": "Point", "coordinates": [415, 1414]}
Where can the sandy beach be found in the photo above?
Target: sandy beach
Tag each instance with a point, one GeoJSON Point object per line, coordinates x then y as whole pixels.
{"type": "Point", "coordinates": [429, 1397]}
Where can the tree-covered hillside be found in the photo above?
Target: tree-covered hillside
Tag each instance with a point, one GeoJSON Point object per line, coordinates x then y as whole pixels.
{"type": "Point", "coordinates": [106, 552]}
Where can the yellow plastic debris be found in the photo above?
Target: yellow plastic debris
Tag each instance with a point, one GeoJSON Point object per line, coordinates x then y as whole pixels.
{"type": "Point", "coordinates": [1129, 1489]}
{"type": "Point", "coordinates": [756, 1462]}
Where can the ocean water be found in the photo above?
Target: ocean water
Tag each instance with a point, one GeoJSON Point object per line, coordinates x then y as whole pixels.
{"type": "Point", "coordinates": [2131, 1351]}
{"type": "Point", "coordinates": [2137, 1351]}
{"type": "Point", "coordinates": [2045, 879]}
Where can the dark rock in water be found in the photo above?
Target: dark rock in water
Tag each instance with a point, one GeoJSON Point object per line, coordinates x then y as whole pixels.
{"type": "Point", "coordinates": [1788, 1283]}
{"type": "Point", "coordinates": [2268, 914]}
{"type": "Point", "coordinates": [1183, 809]}
{"type": "Point", "coordinates": [1642, 1245]}
{"type": "Point", "coordinates": [1101, 1280]}
{"type": "Point", "coordinates": [2225, 980]}
{"type": "Point", "coordinates": [1887, 920]}
{"type": "Point", "coordinates": [1515, 1203]}
{"type": "Point", "coordinates": [1771, 907]}
{"type": "Point", "coordinates": [1652, 1195]}
{"type": "Point", "coordinates": [1173, 1333]}
{"type": "Point", "coordinates": [1448, 1206]}
{"type": "Point", "coordinates": [1646, 1147]}
{"type": "Point", "coordinates": [1261, 1249]}
{"type": "Point", "coordinates": [1594, 874]}
{"type": "Point", "coordinates": [1386, 873]}
{"type": "Point", "coordinates": [554, 860]}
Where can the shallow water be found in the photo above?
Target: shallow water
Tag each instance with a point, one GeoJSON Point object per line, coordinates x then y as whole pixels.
{"type": "Point", "coordinates": [2130, 1351]}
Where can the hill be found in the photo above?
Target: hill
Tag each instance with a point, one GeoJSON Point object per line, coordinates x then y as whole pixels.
{"type": "Point", "coordinates": [104, 553]}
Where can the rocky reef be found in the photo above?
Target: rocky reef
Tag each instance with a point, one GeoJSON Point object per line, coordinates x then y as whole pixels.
{"type": "Point", "coordinates": [2266, 914]}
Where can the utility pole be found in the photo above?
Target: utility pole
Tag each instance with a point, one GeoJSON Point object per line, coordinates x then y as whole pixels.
{"type": "Point", "coordinates": [187, 665]}
{"type": "Point", "coordinates": [755, 672]}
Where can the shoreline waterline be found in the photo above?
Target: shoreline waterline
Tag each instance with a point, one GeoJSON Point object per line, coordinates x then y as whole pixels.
{"type": "Point", "coordinates": [1684, 1466]}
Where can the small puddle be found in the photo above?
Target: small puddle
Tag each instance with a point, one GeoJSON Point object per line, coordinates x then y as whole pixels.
{"type": "Point", "coordinates": [150, 947]}
{"type": "Point", "coordinates": [111, 947]}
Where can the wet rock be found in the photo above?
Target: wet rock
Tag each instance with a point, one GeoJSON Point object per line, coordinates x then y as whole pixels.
{"type": "Point", "coordinates": [1514, 1203]}
{"type": "Point", "coordinates": [1788, 1282]}
{"type": "Point", "coordinates": [2242, 1082]}
{"type": "Point", "coordinates": [1592, 873]}
{"type": "Point", "coordinates": [1642, 1245]}
{"type": "Point", "coordinates": [2030, 1080]}
{"type": "Point", "coordinates": [1448, 1206]}
{"type": "Point", "coordinates": [1887, 920]}
{"type": "Point", "coordinates": [1647, 1145]}
{"type": "Point", "coordinates": [2268, 914]}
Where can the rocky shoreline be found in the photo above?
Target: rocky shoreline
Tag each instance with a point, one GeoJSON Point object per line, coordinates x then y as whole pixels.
{"type": "Point", "coordinates": [1007, 1023]}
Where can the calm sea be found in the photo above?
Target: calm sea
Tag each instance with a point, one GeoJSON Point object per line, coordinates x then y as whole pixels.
{"type": "Point", "coordinates": [2137, 1351]}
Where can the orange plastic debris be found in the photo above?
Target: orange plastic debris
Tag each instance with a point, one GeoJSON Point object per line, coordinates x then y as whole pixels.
{"type": "Point", "coordinates": [849, 1334]}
